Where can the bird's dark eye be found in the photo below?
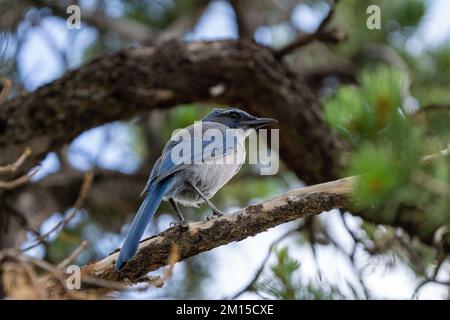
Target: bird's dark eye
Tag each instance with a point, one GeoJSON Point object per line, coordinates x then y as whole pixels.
{"type": "Point", "coordinates": [233, 115]}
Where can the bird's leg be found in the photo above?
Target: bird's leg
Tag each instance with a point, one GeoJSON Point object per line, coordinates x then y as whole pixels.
{"type": "Point", "coordinates": [177, 210]}
{"type": "Point", "coordinates": [215, 211]}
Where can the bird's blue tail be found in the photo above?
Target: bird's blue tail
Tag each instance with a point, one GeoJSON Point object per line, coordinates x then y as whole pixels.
{"type": "Point", "coordinates": [141, 220]}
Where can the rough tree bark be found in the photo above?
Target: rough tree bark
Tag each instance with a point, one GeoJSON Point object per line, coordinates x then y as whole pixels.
{"type": "Point", "coordinates": [203, 236]}
{"type": "Point", "coordinates": [130, 82]}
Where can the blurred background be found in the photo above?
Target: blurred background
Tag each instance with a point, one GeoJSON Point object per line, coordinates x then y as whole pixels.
{"type": "Point", "coordinates": [335, 255]}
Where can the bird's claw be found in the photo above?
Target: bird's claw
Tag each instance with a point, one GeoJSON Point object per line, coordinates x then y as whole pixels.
{"type": "Point", "coordinates": [206, 218]}
{"type": "Point", "coordinates": [182, 223]}
{"type": "Point", "coordinates": [173, 224]}
{"type": "Point", "coordinates": [215, 214]}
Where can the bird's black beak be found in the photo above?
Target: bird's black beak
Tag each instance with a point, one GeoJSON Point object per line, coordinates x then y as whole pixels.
{"type": "Point", "coordinates": [260, 122]}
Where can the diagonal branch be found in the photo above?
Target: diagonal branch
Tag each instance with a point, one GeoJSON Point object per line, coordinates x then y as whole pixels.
{"type": "Point", "coordinates": [20, 181]}
{"type": "Point", "coordinates": [87, 183]}
{"type": "Point", "coordinates": [199, 237]}
{"type": "Point", "coordinates": [251, 284]}
{"type": "Point", "coordinates": [12, 167]}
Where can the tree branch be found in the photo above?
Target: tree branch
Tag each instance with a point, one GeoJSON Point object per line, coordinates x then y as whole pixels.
{"type": "Point", "coordinates": [199, 237]}
{"type": "Point", "coordinates": [245, 27]}
{"type": "Point", "coordinates": [112, 199]}
{"type": "Point", "coordinates": [20, 181]}
{"type": "Point", "coordinates": [251, 284]}
{"type": "Point", "coordinates": [130, 82]}
{"type": "Point", "coordinates": [87, 183]}
{"type": "Point", "coordinates": [12, 167]}
{"type": "Point", "coordinates": [321, 34]}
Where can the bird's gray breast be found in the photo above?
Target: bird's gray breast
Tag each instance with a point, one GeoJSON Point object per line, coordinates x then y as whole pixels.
{"type": "Point", "coordinates": [208, 177]}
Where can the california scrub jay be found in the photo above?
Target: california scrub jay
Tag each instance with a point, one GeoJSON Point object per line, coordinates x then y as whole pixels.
{"type": "Point", "coordinates": [192, 182]}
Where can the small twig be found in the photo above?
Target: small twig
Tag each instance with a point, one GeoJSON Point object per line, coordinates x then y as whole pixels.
{"type": "Point", "coordinates": [412, 255]}
{"type": "Point", "coordinates": [438, 240]}
{"type": "Point", "coordinates": [21, 218]}
{"type": "Point", "coordinates": [320, 34]}
{"type": "Point", "coordinates": [87, 183]}
{"type": "Point", "coordinates": [12, 167]}
{"type": "Point", "coordinates": [433, 107]}
{"type": "Point", "coordinates": [427, 281]}
{"type": "Point", "coordinates": [351, 256]}
{"type": "Point", "coordinates": [310, 224]}
{"type": "Point", "coordinates": [443, 153]}
{"type": "Point", "coordinates": [13, 184]}
{"type": "Point", "coordinates": [74, 255]}
{"type": "Point", "coordinates": [355, 238]}
{"type": "Point", "coordinates": [255, 278]}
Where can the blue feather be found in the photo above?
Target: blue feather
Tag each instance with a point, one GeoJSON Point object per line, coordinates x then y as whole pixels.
{"type": "Point", "coordinates": [143, 217]}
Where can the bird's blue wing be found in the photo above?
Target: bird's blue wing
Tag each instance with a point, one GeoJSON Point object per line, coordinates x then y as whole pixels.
{"type": "Point", "coordinates": [166, 166]}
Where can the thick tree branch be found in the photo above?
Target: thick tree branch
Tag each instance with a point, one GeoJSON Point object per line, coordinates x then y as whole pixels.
{"type": "Point", "coordinates": [203, 236]}
{"type": "Point", "coordinates": [128, 83]}
{"type": "Point", "coordinates": [199, 237]}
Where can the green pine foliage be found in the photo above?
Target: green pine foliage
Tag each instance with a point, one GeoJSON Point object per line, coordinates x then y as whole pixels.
{"type": "Point", "coordinates": [388, 146]}
{"type": "Point", "coordinates": [284, 282]}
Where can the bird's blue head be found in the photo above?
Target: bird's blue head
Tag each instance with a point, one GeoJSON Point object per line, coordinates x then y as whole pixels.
{"type": "Point", "coordinates": [235, 118]}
